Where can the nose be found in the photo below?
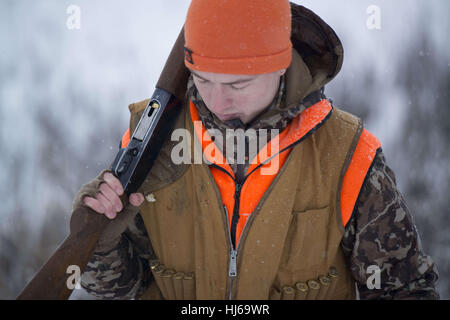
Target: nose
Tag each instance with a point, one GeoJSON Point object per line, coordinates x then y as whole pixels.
{"type": "Point", "coordinates": [220, 99]}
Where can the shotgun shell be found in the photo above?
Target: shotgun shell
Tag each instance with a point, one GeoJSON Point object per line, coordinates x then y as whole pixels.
{"type": "Point", "coordinates": [167, 279]}
{"type": "Point", "coordinates": [178, 285]}
{"type": "Point", "coordinates": [189, 286]}
{"type": "Point", "coordinates": [325, 285]}
{"type": "Point", "coordinates": [314, 288]}
{"type": "Point", "coordinates": [153, 264]}
{"type": "Point", "coordinates": [333, 275]}
{"type": "Point", "coordinates": [288, 293]}
{"type": "Point", "coordinates": [301, 290]}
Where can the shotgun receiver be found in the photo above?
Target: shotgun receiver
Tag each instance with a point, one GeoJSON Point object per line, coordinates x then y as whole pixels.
{"type": "Point", "coordinates": [131, 165]}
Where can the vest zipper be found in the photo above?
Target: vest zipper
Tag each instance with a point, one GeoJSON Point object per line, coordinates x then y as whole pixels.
{"type": "Point", "coordinates": [235, 217]}
{"type": "Point", "coordinates": [232, 272]}
{"type": "Point", "coordinates": [232, 267]}
{"type": "Point", "coordinates": [233, 253]}
{"type": "Point", "coordinates": [234, 221]}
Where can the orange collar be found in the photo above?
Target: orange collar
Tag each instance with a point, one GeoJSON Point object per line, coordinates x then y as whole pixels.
{"type": "Point", "coordinates": [305, 123]}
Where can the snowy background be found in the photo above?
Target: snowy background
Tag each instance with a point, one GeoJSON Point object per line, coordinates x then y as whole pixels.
{"type": "Point", "coordinates": [64, 95]}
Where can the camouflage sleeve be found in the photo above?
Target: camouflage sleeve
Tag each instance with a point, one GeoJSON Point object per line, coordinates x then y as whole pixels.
{"type": "Point", "coordinates": [382, 233]}
{"type": "Point", "coordinates": [123, 272]}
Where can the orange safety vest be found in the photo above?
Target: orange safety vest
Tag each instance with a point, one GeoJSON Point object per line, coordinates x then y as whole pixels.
{"type": "Point", "coordinates": [249, 192]}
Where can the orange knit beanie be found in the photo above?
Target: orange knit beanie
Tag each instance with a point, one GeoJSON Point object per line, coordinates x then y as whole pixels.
{"type": "Point", "coordinates": [238, 36]}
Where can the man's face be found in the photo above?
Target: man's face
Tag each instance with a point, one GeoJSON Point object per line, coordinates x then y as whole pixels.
{"type": "Point", "coordinates": [231, 96]}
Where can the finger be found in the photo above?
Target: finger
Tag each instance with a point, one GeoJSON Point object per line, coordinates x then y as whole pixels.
{"type": "Point", "coordinates": [94, 204]}
{"type": "Point", "coordinates": [109, 209]}
{"type": "Point", "coordinates": [111, 196]}
{"type": "Point", "coordinates": [136, 199]}
{"type": "Point", "coordinates": [113, 182]}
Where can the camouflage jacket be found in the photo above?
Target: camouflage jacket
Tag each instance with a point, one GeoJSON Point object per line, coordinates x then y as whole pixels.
{"type": "Point", "coordinates": [380, 232]}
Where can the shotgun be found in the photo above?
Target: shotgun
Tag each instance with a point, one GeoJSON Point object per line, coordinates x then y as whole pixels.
{"type": "Point", "coordinates": [131, 166]}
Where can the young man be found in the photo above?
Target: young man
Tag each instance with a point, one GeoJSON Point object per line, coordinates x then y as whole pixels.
{"type": "Point", "coordinates": [307, 220]}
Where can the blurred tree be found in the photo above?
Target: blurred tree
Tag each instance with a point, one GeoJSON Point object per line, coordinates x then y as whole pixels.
{"type": "Point", "coordinates": [423, 148]}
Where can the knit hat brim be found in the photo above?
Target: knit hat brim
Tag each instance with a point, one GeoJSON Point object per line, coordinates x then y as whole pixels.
{"type": "Point", "coordinates": [247, 66]}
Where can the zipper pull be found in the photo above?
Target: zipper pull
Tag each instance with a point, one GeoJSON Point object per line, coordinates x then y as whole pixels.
{"type": "Point", "coordinates": [232, 271]}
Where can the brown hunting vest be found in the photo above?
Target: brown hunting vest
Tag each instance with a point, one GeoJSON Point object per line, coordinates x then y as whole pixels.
{"type": "Point", "coordinates": [290, 246]}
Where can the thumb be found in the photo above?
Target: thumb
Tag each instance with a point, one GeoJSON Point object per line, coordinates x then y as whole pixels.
{"type": "Point", "coordinates": [136, 199]}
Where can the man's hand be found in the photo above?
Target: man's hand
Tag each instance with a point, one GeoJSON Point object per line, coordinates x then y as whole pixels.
{"type": "Point", "coordinates": [105, 195]}
{"type": "Point", "coordinates": [107, 201]}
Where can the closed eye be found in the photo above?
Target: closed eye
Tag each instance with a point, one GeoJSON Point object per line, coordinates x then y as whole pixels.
{"type": "Point", "coordinates": [201, 80]}
{"type": "Point", "coordinates": [236, 87]}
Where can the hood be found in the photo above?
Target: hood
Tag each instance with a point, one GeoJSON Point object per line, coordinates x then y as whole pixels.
{"type": "Point", "coordinates": [317, 55]}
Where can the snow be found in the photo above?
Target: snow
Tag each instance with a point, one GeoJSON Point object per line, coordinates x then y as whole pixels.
{"type": "Point", "coordinates": [64, 96]}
